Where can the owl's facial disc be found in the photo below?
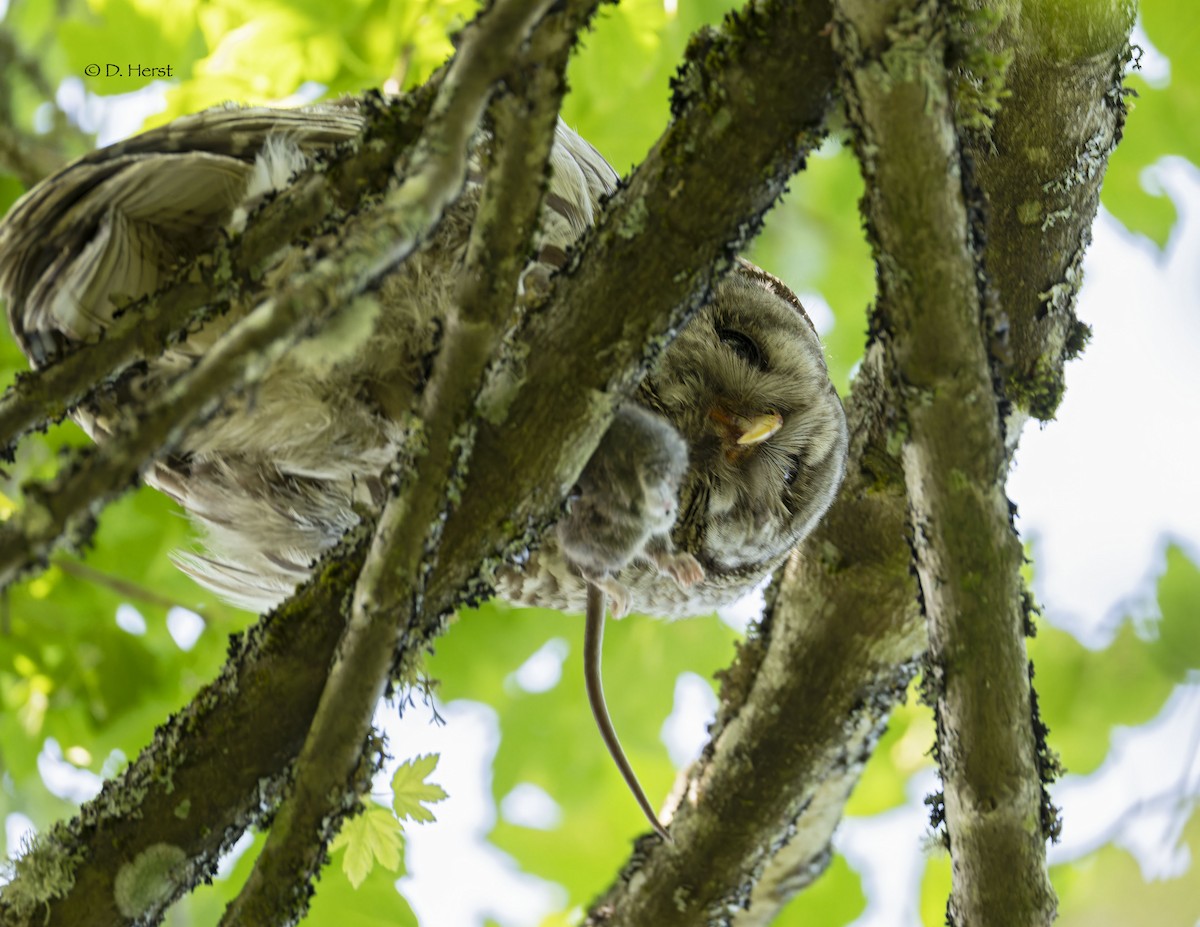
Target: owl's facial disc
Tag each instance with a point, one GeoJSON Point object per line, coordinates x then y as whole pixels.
{"type": "Point", "coordinates": [739, 433]}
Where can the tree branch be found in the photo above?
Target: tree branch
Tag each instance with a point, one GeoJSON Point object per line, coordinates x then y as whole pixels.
{"type": "Point", "coordinates": [933, 312]}
{"type": "Point", "coordinates": [211, 771]}
{"type": "Point", "coordinates": [1041, 167]}
{"type": "Point", "coordinates": [327, 784]}
{"type": "Point", "coordinates": [967, 555]}
{"type": "Point", "coordinates": [29, 158]}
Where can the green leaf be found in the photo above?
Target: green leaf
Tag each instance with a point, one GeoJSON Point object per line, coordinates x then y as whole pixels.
{"type": "Point", "coordinates": [374, 903]}
{"type": "Point", "coordinates": [620, 77]}
{"type": "Point", "coordinates": [1176, 644]}
{"type": "Point", "coordinates": [836, 898]}
{"type": "Point", "coordinates": [10, 189]}
{"type": "Point", "coordinates": [412, 792]}
{"type": "Point", "coordinates": [372, 837]}
{"type": "Point", "coordinates": [935, 889]}
{"type": "Point", "coordinates": [116, 48]}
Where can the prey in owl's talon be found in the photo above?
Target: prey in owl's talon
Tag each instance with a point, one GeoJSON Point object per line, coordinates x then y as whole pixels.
{"type": "Point", "coordinates": [625, 502]}
{"type": "Point", "coordinates": [733, 444]}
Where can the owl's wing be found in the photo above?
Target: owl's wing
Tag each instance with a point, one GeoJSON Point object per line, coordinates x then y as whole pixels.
{"type": "Point", "coordinates": [117, 221]}
{"type": "Point", "coordinates": [580, 180]}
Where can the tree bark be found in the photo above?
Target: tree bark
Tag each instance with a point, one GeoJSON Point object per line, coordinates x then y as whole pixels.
{"type": "Point", "coordinates": [979, 236]}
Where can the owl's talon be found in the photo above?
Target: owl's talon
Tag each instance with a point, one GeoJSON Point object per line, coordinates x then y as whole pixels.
{"type": "Point", "coordinates": [681, 567]}
{"type": "Point", "coordinates": [619, 599]}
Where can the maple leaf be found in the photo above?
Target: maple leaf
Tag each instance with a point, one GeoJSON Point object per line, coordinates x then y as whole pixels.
{"type": "Point", "coordinates": [412, 792]}
{"type": "Point", "coordinates": [372, 837]}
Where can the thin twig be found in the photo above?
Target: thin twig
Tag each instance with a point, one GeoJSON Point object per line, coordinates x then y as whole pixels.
{"type": "Point", "coordinates": [117, 584]}
{"type": "Point", "coordinates": [31, 158]}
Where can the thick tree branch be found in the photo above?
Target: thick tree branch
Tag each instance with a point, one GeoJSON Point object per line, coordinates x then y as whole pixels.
{"type": "Point", "coordinates": [327, 783]}
{"type": "Point", "coordinates": [1041, 167]}
{"type": "Point", "coordinates": [209, 773]}
{"type": "Point", "coordinates": [968, 556]}
{"type": "Point", "coordinates": [933, 311]}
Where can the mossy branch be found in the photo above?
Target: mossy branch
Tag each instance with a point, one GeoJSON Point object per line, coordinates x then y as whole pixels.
{"type": "Point", "coordinates": [327, 780]}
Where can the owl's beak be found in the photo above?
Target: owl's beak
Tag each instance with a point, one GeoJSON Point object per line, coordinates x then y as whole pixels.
{"type": "Point", "coordinates": [760, 428]}
{"type": "Point", "coordinates": [742, 432]}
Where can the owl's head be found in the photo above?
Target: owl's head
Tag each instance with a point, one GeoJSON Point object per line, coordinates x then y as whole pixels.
{"type": "Point", "coordinates": [746, 384]}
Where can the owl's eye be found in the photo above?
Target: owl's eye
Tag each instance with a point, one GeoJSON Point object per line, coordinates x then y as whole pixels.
{"type": "Point", "coordinates": [792, 471]}
{"type": "Point", "coordinates": [743, 346]}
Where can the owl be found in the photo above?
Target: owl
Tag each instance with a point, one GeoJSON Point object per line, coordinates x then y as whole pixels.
{"type": "Point", "coordinates": [727, 455]}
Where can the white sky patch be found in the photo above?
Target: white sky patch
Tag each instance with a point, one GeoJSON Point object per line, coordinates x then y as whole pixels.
{"type": "Point", "coordinates": [17, 830]}
{"type": "Point", "coordinates": [746, 609]}
{"type": "Point", "coordinates": [130, 620]}
{"type": "Point", "coordinates": [308, 92]}
{"type": "Point", "coordinates": [529, 805]}
{"type": "Point", "coordinates": [63, 778]}
{"type": "Point", "coordinates": [113, 764]}
{"type": "Point", "coordinates": [819, 311]}
{"type": "Point", "coordinates": [685, 731]}
{"type": "Point", "coordinates": [438, 854]}
{"type": "Point", "coordinates": [230, 859]}
{"type": "Point", "coordinates": [112, 117]}
{"type": "Point", "coordinates": [185, 627]}
{"type": "Point", "coordinates": [888, 851]}
{"type": "Point", "coordinates": [1102, 487]}
{"type": "Point", "coordinates": [543, 670]}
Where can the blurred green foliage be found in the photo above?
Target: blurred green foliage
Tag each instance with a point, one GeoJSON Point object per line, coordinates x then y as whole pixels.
{"type": "Point", "coordinates": [69, 672]}
{"type": "Point", "coordinates": [1164, 120]}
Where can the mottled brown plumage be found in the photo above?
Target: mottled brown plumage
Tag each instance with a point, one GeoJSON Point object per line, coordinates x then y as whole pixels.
{"type": "Point", "coordinates": [274, 482]}
{"type": "Point", "coordinates": [739, 438]}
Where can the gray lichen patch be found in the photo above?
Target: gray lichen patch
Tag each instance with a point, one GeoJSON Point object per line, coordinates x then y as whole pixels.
{"type": "Point", "coordinates": [339, 340]}
{"type": "Point", "coordinates": [633, 224]}
{"type": "Point", "coordinates": [148, 880]}
{"type": "Point", "coordinates": [44, 871]}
